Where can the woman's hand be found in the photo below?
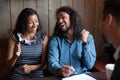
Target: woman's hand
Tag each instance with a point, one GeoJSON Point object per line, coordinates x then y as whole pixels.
{"type": "Point", "coordinates": [17, 49]}
{"type": "Point", "coordinates": [26, 68]}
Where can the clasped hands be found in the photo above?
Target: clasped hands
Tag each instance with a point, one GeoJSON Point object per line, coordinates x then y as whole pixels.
{"type": "Point", "coordinates": [26, 68]}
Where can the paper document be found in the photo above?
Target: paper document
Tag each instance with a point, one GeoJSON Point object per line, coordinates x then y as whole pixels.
{"type": "Point", "coordinates": [79, 77]}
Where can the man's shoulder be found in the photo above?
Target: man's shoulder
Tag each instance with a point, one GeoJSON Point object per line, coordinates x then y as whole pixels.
{"type": "Point", "coordinates": [90, 36]}
{"type": "Point", "coordinates": [56, 38]}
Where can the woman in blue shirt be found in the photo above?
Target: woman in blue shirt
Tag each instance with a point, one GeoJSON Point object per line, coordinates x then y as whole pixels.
{"type": "Point", "coordinates": [71, 49]}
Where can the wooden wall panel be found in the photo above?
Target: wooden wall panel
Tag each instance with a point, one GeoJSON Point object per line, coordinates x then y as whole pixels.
{"type": "Point", "coordinates": [66, 3]}
{"type": "Point", "coordinates": [89, 10]}
{"type": "Point", "coordinates": [53, 5]}
{"type": "Point", "coordinates": [42, 9]}
{"type": "Point", "coordinates": [30, 4]}
{"type": "Point", "coordinates": [4, 17]}
{"type": "Point", "coordinates": [16, 7]}
{"type": "Point", "coordinates": [100, 45]}
{"type": "Point", "coordinates": [78, 5]}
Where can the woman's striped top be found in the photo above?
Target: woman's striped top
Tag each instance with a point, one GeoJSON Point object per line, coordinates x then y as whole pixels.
{"type": "Point", "coordinates": [31, 52]}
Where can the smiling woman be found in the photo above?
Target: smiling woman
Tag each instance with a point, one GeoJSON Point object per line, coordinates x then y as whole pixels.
{"type": "Point", "coordinates": [27, 56]}
{"type": "Point", "coordinates": [32, 23]}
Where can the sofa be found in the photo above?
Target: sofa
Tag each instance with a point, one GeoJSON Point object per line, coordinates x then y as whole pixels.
{"type": "Point", "coordinates": [5, 74]}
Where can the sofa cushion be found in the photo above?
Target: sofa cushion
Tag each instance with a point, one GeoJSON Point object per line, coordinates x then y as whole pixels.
{"type": "Point", "coordinates": [3, 54]}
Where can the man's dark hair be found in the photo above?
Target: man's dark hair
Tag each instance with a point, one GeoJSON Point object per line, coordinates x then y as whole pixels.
{"type": "Point", "coordinates": [20, 26]}
{"type": "Point", "coordinates": [112, 7]}
{"type": "Point", "coordinates": [75, 21]}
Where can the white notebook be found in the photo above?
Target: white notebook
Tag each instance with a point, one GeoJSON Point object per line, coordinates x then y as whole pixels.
{"type": "Point", "coordinates": [79, 77]}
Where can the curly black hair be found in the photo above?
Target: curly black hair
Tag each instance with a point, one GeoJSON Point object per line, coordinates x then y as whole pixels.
{"type": "Point", "coordinates": [74, 19]}
{"type": "Point", "coordinates": [20, 26]}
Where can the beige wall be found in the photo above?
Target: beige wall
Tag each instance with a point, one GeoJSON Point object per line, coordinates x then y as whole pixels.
{"type": "Point", "coordinates": [89, 10]}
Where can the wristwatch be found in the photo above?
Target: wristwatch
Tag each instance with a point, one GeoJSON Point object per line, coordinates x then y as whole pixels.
{"type": "Point", "coordinates": [84, 43]}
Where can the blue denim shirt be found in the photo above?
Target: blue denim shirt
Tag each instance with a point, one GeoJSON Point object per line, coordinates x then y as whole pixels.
{"type": "Point", "coordinates": [61, 52]}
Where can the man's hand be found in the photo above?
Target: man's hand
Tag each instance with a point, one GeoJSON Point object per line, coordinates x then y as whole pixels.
{"type": "Point", "coordinates": [66, 71]}
{"type": "Point", "coordinates": [84, 35]}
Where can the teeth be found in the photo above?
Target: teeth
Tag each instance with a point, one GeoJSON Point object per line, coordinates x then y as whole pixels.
{"type": "Point", "coordinates": [62, 25]}
{"type": "Point", "coordinates": [34, 28]}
